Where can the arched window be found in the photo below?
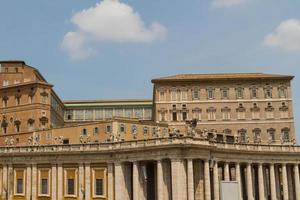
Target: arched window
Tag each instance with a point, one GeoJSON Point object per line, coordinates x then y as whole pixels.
{"type": "Point", "coordinates": [146, 130]}
{"type": "Point", "coordinates": [122, 128]}
{"type": "Point", "coordinates": [17, 125]}
{"type": "Point", "coordinates": [96, 130]}
{"type": "Point", "coordinates": [84, 131]}
{"type": "Point", "coordinates": [30, 124]}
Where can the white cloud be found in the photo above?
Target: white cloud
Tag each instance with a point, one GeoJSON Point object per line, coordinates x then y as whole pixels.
{"type": "Point", "coordinates": [226, 3]}
{"type": "Point", "coordinates": [108, 21]}
{"type": "Point", "coordinates": [285, 36]}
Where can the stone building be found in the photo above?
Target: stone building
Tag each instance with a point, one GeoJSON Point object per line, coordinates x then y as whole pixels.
{"type": "Point", "coordinates": [197, 132]}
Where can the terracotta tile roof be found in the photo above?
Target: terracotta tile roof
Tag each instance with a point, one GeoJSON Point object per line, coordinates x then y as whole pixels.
{"type": "Point", "coordinates": [223, 76]}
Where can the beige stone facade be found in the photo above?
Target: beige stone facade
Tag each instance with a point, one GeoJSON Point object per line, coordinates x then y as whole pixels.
{"type": "Point", "coordinates": [255, 108]}
{"type": "Point", "coordinates": [116, 150]}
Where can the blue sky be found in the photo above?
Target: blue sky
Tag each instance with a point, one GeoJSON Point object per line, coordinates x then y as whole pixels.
{"type": "Point", "coordinates": [155, 38]}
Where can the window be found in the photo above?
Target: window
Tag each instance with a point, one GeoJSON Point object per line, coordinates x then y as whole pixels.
{"type": "Point", "coordinates": [253, 92]}
{"type": "Point", "coordinates": [184, 95]}
{"type": "Point", "coordinates": [18, 100]}
{"type": "Point", "coordinates": [197, 113]}
{"type": "Point", "coordinates": [146, 130]}
{"type": "Point", "coordinates": [284, 114]}
{"type": "Point", "coordinates": [225, 93]}
{"type": "Point", "coordinates": [269, 111]}
{"type": "Point", "coordinates": [133, 129]}
{"type": "Point", "coordinates": [255, 111]}
{"type": "Point", "coordinates": [239, 93]}
{"type": "Point", "coordinates": [99, 183]}
{"type": "Point", "coordinates": [210, 93]}
{"type": "Point", "coordinates": [174, 116]}
{"type": "Point", "coordinates": [256, 135]}
{"type": "Point", "coordinates": [19, 186]}
{"type": "Point", "coordinates": [226, 113]}
{"type": "Point", "coordinates": [241, 112]}
{"type": "Point", "coordinates": [5, 83]}
{"type": "Point", "coordinates": [184, 115]}
{"type": "Point", "coordinates": [196, 94]}
{"type": "Point", "coordinates": [173, 95]}
{"type": "Point", "coordinates": [30, 125]}
{"type": "Point", "coordinates": [71, 186]}
{"type": "Point", "coordinates": [108, 129]}
{"type": "Point", "coordinates": [96, 130]}
{"type": "Point", "coordinates": [4, 101]}
{"type": "Point", "coordinates": [282, 91]}
{"type": "Point", "coordinates": [17, 128]}
{"type": "Point", "coordinates": [69, 114]}
{"type": "Point", "coordinates": [84, 131]}
{"type": "Point", "coordinates": [99, 187]}
{"type": "Point", "coordinates": [4, 129]}
{"type": "Point", "coordinates": [285, 134]}
{"type": "Point", "coordinates": [162, 96]}
{"type": "Point", "coordinates": [44, 186]}
{"type": "Point", "coordinates": [271, 133]}
{"type": "Point", "coordinates": [122, 128]}
{"type": "Point", "coordinates": [178, 93]}
{"type": "Point", "coordinates": [66, 141]}
{"type": "Point", "coordinates": [268, 91]}
{"type": "Point", "coordinates": [243, 135]}
{"type": "Point", "coordinates": [211, 113]}
{"type": "Point", "coordinates": [17, 70]}
{"type": "Point", "coordinates": [30, 99]}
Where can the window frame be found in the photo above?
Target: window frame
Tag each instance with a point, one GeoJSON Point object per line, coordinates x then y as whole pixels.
{"type": "Point", "coordinates": [94, 195]}
{"type": "Point", "coordinates": [40, 194]}
{"type": "Point", "coordinates": [66, 182]}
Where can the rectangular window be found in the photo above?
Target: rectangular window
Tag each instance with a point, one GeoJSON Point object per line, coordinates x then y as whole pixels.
{"type": "Point", "coordinates": [108, 129]}
{"type": "Point", "coordinates": [210, 94]}
{"type": "Point", "coordinates": [99, 187]}
{"type": "Point", "coordinates": [254, 93]}
{"type": "Point", "coordinates": [195, 94]}
{"type": "Point", "coordinates": [71, 186]}
{"type": "Point", "coordinates": [212, 115]}
{"type": "Point", "coordinates": [239, 93]}
{"type": "Point", "coordinates": [184, 116]}
{"type": "Point", "coordinates": [184, 95]}
{"type": "Point", "coordinates": [174, 116]}
{"type": "Point", "coordinates": [173, 95]}
{"type": "Point", "coordinates": [225, 94]}
{"type": "Point", "coordinates": [19, 186]}
{"type": "Point", "coordinates": [44, 187]}
{"type": "Point", "coordinates": [162, 96]}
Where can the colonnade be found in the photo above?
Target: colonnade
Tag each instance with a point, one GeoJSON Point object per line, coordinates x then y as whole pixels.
{"type": "Point", "coordinates": [196, 179]}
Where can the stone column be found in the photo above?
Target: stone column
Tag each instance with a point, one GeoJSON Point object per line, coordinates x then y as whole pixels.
{"type": "Point", "coordinates": [285, 182]}
{"type": "Point", "coordinates": [81, 181]}
{"type": "Point", "coordinates": [207, 180]}
{"type": "Point", "coordinates": [190, 180]}
{"type": "Point", "coordinates": [216, 181]}
{"type": "Point", "coordinates": [87, 181]}
{"type": "Point", "coordinates": [34, 182]}
{"type": "Point", "coordinates": [297, 181]}
{"type": "Point", "coordinates": [272, 182]}
{"type": "Point", "coordinates": [10, 177]}
{"type": "Point", "coordinates": [261, 182]}
{"type": "Point", "coordinates": [238, 178]}
{"type": "Point", "coordinates": [249, 182]}
{"type": "Point", "coordinates": [4, 185]}
{"type": "Point", "coordinates": [178, 180]}
{"type": "Point", "coordinates": [110, 181]}
{"type": "Point", "coordinates": [226, 172]}
{"type": "Point", "coordinates": [135, 180]}
{"type": "Point", "coordinates": [160, 180]}
{"type": "Point", "coordinates": [28, 182]}
{"type": "Point", "coordinates": [54, 181]}
{"type": "Point", "coordinates": [119, 182]}
{"type": "Point", "coordinates": [60, 180]}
